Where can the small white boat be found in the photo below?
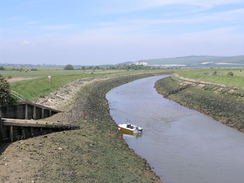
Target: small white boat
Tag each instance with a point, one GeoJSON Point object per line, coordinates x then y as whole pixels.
{"type": "Point", "coordinates": [130, 129]}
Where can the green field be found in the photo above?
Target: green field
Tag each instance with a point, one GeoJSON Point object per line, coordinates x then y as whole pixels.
{"type": "Point", "coordinates": [39, 85]}
{"type": "Point", "coordinates": [43, 72]}
{"type": "Point", "coordinates": [216, 76]}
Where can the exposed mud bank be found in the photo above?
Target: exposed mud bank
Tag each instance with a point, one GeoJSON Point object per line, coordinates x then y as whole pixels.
{"type": "Point", "coordinates": [94, 153]}
{"type": "Point", "coordinates": [223, 104]}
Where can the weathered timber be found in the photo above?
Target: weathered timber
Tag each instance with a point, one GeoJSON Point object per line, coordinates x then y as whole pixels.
{"type": "Point", "coordinates": [35, 123]}
{"type": "Point", "coordinates": [21, 121]}
{"type": "Point", "coordinates": [27, 110]}
{"type": "Point", "coordinates": [17, 129]}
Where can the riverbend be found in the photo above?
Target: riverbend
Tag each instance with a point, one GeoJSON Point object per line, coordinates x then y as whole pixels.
{"type": "Point", "coordinates": [182, 145]}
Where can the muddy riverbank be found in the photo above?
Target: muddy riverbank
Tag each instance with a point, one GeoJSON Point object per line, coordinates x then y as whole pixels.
{"type": "Point", "coordinates": [223, 104]}
{"type": "Point", "coordinates": [94, 153]}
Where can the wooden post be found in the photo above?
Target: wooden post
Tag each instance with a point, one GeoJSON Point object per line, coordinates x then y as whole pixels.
{"type": "Point", "coordinates": [1, 130]}
{"type": "Point", "coordinates": [34, 112]}
{"type": "Point", "coordinates": [42, 113]}
{"type": "Point", "coordinates": [26, 111]}
{"type": "Point", "coordinates": [31, 131]}
{"type": "Point", "coordinates": [11, 133]}
{"type": "Point", "coordinates": [50, 113]}
{"type": "Point", "coordinates": [23, 132]}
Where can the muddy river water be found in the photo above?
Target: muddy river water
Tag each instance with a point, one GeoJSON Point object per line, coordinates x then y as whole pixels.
{"type": "Point", "coordinates": [181, 145]}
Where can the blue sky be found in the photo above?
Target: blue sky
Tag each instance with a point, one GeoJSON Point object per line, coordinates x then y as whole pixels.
{"type": "Point", "coordinates": [113, 31]}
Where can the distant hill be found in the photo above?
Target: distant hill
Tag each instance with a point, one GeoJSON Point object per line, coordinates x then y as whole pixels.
{"type": "Point", "coordinates": [196, 61]}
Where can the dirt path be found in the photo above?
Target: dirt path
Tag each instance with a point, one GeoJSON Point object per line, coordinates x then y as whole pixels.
{"type": "Point", "coordinates": [197, 82]}
{"type": "Point", "coordinates": [12, 80]}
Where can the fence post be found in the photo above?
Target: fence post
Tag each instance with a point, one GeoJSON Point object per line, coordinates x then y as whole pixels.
{"type": "Point", "coordinates": [11, 133]}
{"type": "Point", "coordinates": [26, 111]}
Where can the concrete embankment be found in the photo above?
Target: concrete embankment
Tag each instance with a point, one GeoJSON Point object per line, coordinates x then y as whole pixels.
{"type": "Point", "coordinates": [222, 103]}
{"type": "Point", "coordinates": [94, 153]}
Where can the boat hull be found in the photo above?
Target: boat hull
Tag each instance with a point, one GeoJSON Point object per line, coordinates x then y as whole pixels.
{"type": "Point", "coordinates": [126, 131]}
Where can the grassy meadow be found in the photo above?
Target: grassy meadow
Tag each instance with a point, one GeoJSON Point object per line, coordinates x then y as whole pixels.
{"type": "Point", "coordinates": [25, 72]}
{"type": "Point", "coordinates": [216, 75]}
{"type": "Point", "coordinates": [39, 85]}
{"type": "Point", "coordinates": [34, 84]}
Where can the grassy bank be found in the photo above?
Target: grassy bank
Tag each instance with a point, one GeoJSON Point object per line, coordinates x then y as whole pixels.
{"type": "Point", "coordinates": [223, 104]}
{"type": "Point", "coordinates": [39, 85]}
{"type": "Point", "coordinates": [218, 76]}
{"type": "Point", "coordinates": [94, 153]}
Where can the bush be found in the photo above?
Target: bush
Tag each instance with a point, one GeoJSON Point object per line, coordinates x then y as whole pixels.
{"type": "Point", "coordinates": [230, 74]}
{"type": "Point", "coordinates": [69, 67]}
{"type": "Point", "coordinates": [2, 68]}
{"type": "Point", "coordinates": [5, 96]}
{"type": "Point", "coordinates": [34, 69]}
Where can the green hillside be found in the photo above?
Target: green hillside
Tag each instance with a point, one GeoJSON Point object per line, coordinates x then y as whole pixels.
{"type": "Point", "coordinates": [199, 61]}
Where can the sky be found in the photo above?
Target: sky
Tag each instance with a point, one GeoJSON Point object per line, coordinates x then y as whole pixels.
{"type": "Point", "coordinates": [96, 32]}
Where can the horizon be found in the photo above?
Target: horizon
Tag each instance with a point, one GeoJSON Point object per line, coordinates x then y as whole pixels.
{"type": "Point", "coordinates": [133, 61]}
{"type": "Point", "coordinates": [113, 32]}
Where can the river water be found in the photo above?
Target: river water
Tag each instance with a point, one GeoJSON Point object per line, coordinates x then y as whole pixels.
{"type": "Point", "coordinates": [181, 145]}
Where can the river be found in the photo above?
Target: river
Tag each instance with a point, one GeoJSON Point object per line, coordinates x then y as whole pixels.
{"type": "Point", "coordinates": [181, 145]}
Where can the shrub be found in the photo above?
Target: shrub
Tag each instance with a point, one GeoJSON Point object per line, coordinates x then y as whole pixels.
{"type": "Point", "coordinates": [34, 69]}
{"type": "Point", "coordinates": [2, 68]}
{"type": "Point", "coordinates": [69, 67]}
{"type": "Point", "coordinates": [5, 96]}
{"type": "Point", "coordinates": [230, 74]}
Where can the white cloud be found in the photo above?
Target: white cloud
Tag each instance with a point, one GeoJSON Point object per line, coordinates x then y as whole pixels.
{"type": "Point", "coordinates": [98, 47]}
{"type": "Point", "coordinates": [226, 16]}
{"type": "Point", "coordinates": [112, 6]}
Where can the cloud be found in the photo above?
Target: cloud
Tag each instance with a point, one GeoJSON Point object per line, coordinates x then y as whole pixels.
{"type": "Point", "coordinates": [96, 47]}
{"type": "Point", "coordinates": [203, 3]}
{"type": "Point", "coordinates": [226, 16]}
{"type": "Point", "coordinates": [113, 6]}
{"type": "Point", "coordinates": [57, 27]}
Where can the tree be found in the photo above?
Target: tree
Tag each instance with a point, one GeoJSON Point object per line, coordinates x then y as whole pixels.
{"type": "Point", "coordinates": [69, 67]}
{"type": "Point", "coordinates": [2, 68]}
{"type": "Point", "coordinates": [5, 96]}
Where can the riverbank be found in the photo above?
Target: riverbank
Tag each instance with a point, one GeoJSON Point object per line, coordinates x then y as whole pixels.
{"type": "Point", "coordinates": [224, 104]}
{"type": "Point", "coordinates": [94, 153]}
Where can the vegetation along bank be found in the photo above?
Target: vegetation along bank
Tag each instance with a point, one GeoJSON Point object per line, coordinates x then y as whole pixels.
{"type": "Point", "coordinates": [94, 153]}
{"type": "Point", "coordinates": [223, 102]}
